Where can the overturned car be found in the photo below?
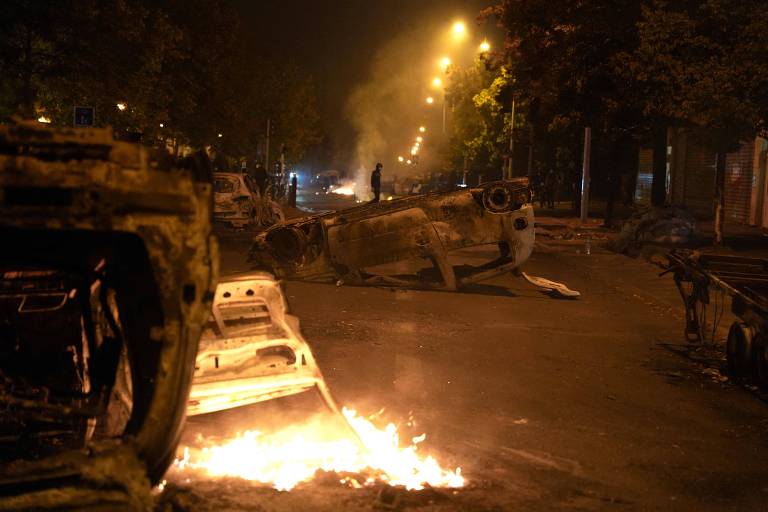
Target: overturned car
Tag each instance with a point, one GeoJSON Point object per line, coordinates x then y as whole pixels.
{"type": "Point", "coordinates": [107, 271]}
{"type": "Point", "coordinates": [342, 245]}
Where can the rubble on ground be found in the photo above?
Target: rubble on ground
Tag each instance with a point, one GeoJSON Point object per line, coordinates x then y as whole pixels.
{"type": "Point", "coordinates": [662, 225]}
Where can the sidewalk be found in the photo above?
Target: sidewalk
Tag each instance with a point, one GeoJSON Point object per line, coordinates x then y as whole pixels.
{"type": "Point", "coordinates": [562, 223]}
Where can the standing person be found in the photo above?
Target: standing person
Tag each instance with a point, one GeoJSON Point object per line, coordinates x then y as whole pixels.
{"type": "Point", "coordinates": [550, 186]}
{"type": "Point", "coordinates": [260, 177]}
{"type": "Point", "coordinates": [376, 183]}
{"type": "Point", "coordinates": [538, 188]}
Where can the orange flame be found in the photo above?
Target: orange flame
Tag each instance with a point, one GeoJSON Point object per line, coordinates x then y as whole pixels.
{"type": "Point", "coordinates": [346, 190]}
{"type": "Point", "coordinates": [294, 455]}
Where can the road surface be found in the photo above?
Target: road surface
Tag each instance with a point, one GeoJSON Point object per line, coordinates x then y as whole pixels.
{"type": "Point", "coordinates": [546, 404]}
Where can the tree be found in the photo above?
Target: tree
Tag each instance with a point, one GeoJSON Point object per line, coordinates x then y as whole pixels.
{"type": "Point", "coordinates": [565, 58]}
{"type": "Point", "coordinates": [479, 118]}
{"type": "Point", "coordinates": [178, 69]}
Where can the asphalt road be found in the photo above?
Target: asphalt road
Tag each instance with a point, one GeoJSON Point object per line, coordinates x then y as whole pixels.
{"type": "Point", "coordinates": [546, 404]}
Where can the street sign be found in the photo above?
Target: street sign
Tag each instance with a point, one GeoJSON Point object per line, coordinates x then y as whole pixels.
{"type": "Point", "coordinates": [85, 116]}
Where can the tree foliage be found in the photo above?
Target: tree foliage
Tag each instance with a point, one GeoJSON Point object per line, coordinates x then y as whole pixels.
{"type": "Point", "coordinates": [179, 63]}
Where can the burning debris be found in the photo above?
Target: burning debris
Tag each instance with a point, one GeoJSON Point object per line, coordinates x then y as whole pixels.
{"type": "Point", "coordinates": [364, 456]}
{"type": "Point", "coordinates": [345, 190]}
{"type": "Point", "coordinates": [251, 351]}
{"type": "Point", "coordinates": [340, 246]}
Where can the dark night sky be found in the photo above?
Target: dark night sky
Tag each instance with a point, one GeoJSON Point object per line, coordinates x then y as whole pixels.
{"type": "Point", "coordinates": [337, 41]}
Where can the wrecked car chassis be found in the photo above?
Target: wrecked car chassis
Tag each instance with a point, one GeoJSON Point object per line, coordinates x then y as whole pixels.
{"type": "Point", "coordinates": [107, 272]}
{"type": "Point", "coordinates": [342, 245]}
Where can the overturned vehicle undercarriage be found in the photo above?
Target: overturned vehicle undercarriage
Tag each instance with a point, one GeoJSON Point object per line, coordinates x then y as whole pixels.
{"type": "Point", "coordinates": [342, 245]}
{"type": "Point", "coordinates": [108, 268]}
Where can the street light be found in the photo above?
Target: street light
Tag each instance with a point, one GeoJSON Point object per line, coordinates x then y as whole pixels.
{"type": "Point", "coordinates": [408, 162]}
{"type": "Point", "coordinates": [121, 106]}
{"type": "Point", "coordinates": [437, 82]}
{"type": "Point", "coordinates": [400, 159]}
{"type": "Point", "coordinates": [162, 125]}
{"type": "Point", "coordinates": [445, 62]}
{"type": "Point", "coordinates": [485, 46]}
{"type": "Point", "coordinates": [220, 135]}
{"type": "Point", "coordinates": [419, 138]}
{"type": "Point", "coordinates": [459, 30]}
{"type": "Point", "coordinates": [430, 100]}
{"type": "Point", "coordinates": [422, 129]}
{"type": "Point", "coordinates": [43, 119]}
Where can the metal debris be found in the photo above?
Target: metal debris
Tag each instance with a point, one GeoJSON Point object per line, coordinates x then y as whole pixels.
{"type": "Point", "coordinates": [553, 286]}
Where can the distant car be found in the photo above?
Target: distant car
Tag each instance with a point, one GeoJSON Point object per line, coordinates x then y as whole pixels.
{"type": "Point", "coordinates": [251, 350]}
{"type": "Point", "coordinates": [235, 200]}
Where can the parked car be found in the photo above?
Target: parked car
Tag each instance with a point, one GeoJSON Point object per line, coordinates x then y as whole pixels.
{"type": "Point", "coordinates": [251, 349]}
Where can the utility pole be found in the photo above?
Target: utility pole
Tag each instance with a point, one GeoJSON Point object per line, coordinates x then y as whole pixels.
{"type": "Point", "coordinates": [511, 140]}
{"type": "Point", "coordinates": [530, 154]}
{"type": "Point", "coordinates": [266, 159]}
{"type": "Point", "coordinates": [466, 169]}
{"type": "Point", "coordinates": [444, 102]}
{"type": "Point", "coordinates": [585, 175]}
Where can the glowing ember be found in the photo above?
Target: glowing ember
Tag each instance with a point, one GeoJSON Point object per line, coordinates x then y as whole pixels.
{"type": "Point", "coordinates": [295, 454]}
{"type": "Point", "coordinates": [345, 190]}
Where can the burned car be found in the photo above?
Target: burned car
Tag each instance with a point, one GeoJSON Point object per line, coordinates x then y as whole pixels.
{"type": "Point", "coordinates": [251, 349]}
{"type": "Point", "coordinates": [342, 245]}
{"type": "Point", "coordinates": [234, 199]}
{"type": "Point", "coordinates": [108, 268]}
{"type": "Point", "coordinates": [238, 203]}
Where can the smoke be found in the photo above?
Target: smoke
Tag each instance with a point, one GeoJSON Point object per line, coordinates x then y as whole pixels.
{"type": "Point", "coordinates": [387, 110]}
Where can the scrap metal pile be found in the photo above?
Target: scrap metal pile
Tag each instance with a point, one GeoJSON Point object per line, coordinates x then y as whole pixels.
{"type": "Point", "coordinates": [343, 245]}
{"type": "Point", "coordinates": [108, 269]}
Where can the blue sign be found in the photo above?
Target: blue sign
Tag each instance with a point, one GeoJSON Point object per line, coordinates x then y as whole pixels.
{"type": "Point", "coordinates": [85, 116]}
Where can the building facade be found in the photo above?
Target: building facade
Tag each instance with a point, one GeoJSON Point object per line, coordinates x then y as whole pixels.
{"type": "Point", "coordinates": [691, 179]}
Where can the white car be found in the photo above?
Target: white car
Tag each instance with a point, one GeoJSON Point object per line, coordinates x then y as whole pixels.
{"type": "Point", "coordinates": [251, 350]}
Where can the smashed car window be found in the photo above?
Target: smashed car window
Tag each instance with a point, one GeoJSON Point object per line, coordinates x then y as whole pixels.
{"type": "Point", "coordinates": [224, 186]}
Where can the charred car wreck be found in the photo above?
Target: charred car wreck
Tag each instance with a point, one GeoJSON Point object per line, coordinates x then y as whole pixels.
{"type": "Point", "coordinates": [252, 350]}
{"type": "Point", "coordinates": [343, 245]}
{"type": "Point", "coordinates": [108, 271]}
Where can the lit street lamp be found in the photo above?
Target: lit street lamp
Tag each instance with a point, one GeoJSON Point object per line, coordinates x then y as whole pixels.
{"type": "Point", "coordinates": [485, 46]}
{"type": "Point", "coordinates": [430, 100]}
{"type": "Point", "coordinates": [400, 159]}
{"type": "Point", "coordinates": [445, 62]}
{"type": "Point", "coordinates": [422, 129]}
{"type": "Point", "coordinates": [121, 106]}
{"type": "Point", "coordinates": [437, 82]}
{"type": "Point", "coordinates": [419, 138]}
{"type": "Point", "coordinates": [459, 30]}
